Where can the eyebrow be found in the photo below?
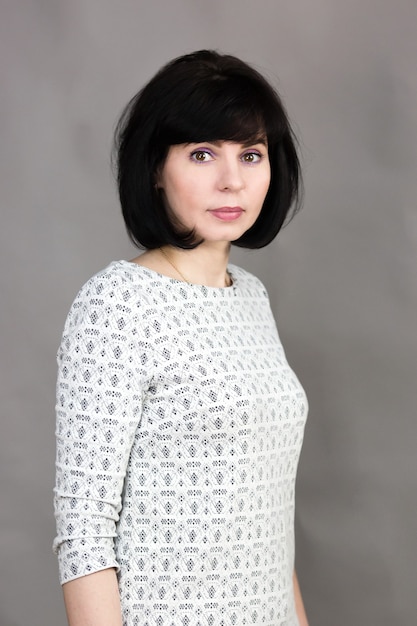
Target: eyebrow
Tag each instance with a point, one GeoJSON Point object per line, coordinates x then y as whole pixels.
{"type": "Point", "coordinates": [245, 144]}
{"type": "Point", "coordinates": [261, 140]}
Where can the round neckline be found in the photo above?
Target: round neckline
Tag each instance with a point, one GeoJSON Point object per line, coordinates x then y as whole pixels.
{"type": "Point", "coordinates": [182, 283]}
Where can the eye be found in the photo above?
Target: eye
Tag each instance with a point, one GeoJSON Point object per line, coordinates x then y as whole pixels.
{"type": "Point", "coordinates": [201, 156]}
{"type": "Point", "coordinates": [251, 157]}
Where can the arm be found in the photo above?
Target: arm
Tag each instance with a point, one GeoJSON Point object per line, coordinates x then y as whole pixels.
{"type": "Point", "coordinates": [93, 600]}
{"type": "Point", "coordinates": [299, 605]}
{"type": "Point", "coordinates": [99, 395]}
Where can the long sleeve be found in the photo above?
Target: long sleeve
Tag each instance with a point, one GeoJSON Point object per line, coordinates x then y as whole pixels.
{"type": "Point", "coordinates": [103, 367]}
{"type": "Point", "coordinates": [180, 424]}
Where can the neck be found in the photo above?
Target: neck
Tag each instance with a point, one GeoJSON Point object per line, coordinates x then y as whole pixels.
{"type": "Point", "coordinates": [205, 265]}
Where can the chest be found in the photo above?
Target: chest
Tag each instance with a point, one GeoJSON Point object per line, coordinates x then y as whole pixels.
{"type": "Point", "coordinates": [220, 377]}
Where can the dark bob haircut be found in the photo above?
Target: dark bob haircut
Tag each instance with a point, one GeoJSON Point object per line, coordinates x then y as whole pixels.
{"type": "Point", "coordinates": [203, 96]}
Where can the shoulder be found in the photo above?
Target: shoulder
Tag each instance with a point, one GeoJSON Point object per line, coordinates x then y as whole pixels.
{"type": "Point", "coordinates": [120, 280]}
{"type": "Point", "coordinates": [114, 279]}
{"type": "Point", "coordinates": [247, 281]}
{"type": "Point", "coordinates": [113, 294]}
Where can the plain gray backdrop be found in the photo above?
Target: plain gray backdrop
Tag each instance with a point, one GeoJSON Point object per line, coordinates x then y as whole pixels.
{"type": "Point", "coordinates": [342, 276]}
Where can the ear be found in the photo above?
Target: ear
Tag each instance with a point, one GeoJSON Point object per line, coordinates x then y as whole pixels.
{"type": "Point", "coordinates": [158, 175]}
{"type": "Point", "coordinates": [157, 178]}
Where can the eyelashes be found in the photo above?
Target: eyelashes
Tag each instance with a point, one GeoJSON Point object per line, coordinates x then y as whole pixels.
{"type": "Point", "coordinates": [251, 157]}
{"type": "Point", "coordinates": [203, 155]}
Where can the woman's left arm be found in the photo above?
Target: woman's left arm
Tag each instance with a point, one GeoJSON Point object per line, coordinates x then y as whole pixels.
{"type": "Point", "coordinates": [299, 604]}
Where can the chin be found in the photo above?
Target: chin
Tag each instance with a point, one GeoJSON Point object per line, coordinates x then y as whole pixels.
{"type": "Point", "coordinates": [226, 234]}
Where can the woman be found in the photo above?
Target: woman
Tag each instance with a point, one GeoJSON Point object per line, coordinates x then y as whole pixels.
{"type": "Point", "coordinates": [179, 421]}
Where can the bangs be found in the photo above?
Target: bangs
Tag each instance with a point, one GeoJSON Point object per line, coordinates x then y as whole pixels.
{"type": "Point", "coordinates": [225, 110]}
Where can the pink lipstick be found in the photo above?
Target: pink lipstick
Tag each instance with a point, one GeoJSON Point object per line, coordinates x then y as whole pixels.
{"type": "Point", "coordinates": [227, 213]}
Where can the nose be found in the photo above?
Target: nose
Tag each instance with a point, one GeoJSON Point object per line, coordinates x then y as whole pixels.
{"type": "Point", "coordinates": [231, 175]}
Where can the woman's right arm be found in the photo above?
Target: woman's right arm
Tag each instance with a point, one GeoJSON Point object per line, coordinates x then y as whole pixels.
{"type": "Point", "coordinates": [102, 371]}
{"type": "Point", "coordinates": [93, 600]}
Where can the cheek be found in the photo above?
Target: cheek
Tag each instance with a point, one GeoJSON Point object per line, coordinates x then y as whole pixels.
{"type": "Point", "coordinates": [263, 187]}
{"type": "Point", "coordinates": [181, 196]}
{"type": "Point", "coordinates": [179, 183]}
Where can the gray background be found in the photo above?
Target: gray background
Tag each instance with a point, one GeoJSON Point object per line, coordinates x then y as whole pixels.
{"type": "Point", "coordinates": [342, 276]}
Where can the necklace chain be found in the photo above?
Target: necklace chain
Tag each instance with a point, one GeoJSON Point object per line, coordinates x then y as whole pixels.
{"type": "Point", "coordinates": [174, 266]}
{"type": "Point", "coordinates": [227, 281]}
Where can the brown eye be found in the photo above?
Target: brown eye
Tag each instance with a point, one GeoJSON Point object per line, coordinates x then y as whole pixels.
{"type": "Point", "coordinates": [251, 157]}
{"type": "Point", "coordinates": [201, 156]}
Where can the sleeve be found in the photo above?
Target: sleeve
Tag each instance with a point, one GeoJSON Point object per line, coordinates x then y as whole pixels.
{"type": "Point", "coordinates": [103, 368]}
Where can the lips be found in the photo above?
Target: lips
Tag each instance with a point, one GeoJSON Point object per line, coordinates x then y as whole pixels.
{"type": "Point", "coordinates": [227, 213]}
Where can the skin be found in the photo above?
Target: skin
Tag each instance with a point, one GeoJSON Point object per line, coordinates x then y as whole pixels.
{"type": "Point", "coordinates": [93, 600]}
{"type": "Point", "coordinates": [299, 604]}
{"type": "Point", "coordinates": [196, 180]}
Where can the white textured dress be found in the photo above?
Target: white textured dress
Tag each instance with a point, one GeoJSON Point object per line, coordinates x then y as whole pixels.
{"type": "Point", "coordinates": [179, 428]}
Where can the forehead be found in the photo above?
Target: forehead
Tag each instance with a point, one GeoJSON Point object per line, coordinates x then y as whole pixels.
{"type": "Point", "coordinates": [261, 139]}
{"type": "Point", "coordinates": [218, 144]}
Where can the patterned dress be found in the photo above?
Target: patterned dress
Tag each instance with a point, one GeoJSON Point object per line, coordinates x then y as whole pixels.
{"type": "Point", "coordinates": [179, 428]}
